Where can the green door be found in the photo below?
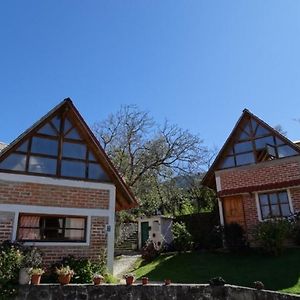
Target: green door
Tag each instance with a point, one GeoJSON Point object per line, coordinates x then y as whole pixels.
{"type": "Point", "coordinates": [145, 232]}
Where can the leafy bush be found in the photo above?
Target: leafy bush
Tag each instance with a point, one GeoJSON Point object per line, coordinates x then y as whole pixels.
{"type": "Point", "coordinates": [182, 239]}
{"type": "Point", "coordinates": [271, 235]}
{"type": "Point", "coordinates": [10, 263]}
{"type": "Point", "coordinates": [150, 251]}
{"type": "Point", "coordinates": [83, 268]}
{"type": "Point", "coordinates": [235, 238]}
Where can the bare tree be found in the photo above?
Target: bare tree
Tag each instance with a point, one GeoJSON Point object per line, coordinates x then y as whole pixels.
{"type": "Point", "coordinates": [139, 147]}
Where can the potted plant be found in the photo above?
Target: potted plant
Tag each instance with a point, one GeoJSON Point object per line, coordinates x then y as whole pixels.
{"type": "Point", "coordinates": [217, 281]}
{"type": "Point", "coordinates": [167, 281]}
{"type": "Point", "coordinates": [98, 279]}
{"type": "Point", "coordinates": [258, 285]}
{"type": "Point", "coordinates": [129, 279]}
{"type": "Point", "coordinates": [36, 274]}
{"type": "Point", "coordinates": [145, 280]}
{"type": "Point", "coordinates": [64, 274]}
{"type": "Point", "coordinates": [31, 257]}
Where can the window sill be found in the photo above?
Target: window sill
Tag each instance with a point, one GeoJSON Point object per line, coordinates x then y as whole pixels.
{"type": "Point", "coordinates": [71, 244]}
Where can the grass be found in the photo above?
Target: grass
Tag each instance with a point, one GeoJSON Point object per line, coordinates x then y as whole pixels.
{"type": "Point", "coordinates": [277, 273]}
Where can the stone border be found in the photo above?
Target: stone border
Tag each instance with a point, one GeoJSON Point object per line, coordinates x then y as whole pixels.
{"type": "Point", "coordinates": [148, 292]}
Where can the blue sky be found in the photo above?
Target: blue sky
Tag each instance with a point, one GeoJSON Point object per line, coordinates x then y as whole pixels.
{"type": "Point", "coordinates": [196, 63]}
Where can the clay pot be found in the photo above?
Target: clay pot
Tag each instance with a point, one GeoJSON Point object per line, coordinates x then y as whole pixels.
{"type": "Point", "coordinates": [145, 280]}
{"type": "Point", "coordinates": [167, 281]}
{"type": "Point", "coordinates": [64, 279]}
{"type": "Point", "coordinates": [129, 280]}
{"type": "Point", "coordinates": [35, 279]}
{"type": "Point", "coordinates": [97, 280]}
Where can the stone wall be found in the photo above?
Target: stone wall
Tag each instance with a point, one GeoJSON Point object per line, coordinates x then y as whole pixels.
{"type": "Point", "coordinates": [149, 292]}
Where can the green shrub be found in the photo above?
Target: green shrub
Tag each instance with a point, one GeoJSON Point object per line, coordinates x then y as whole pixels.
{"type": "Point", "coordinates": [182, 239]}
{"type": "Point", "coordinates": [235, 238]}
{"type": "Point", "coordinates": [271, 235]}
{"type": "Point", "coordinates": [83, 268]}
{"type": "Point", "coordinates": [10, 263]}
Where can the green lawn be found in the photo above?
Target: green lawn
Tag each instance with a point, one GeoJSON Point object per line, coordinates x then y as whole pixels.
{"type": "Point", "coordinates": [277, 273]}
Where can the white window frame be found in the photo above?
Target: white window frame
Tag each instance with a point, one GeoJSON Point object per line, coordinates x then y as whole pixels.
{"type": "Point", "coordinates": [259, 216]}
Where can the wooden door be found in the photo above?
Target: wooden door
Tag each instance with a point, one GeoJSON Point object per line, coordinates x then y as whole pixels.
{"type": "Point", "coordinates": [234, 210]}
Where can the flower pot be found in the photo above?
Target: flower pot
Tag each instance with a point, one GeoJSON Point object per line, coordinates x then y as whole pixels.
{"type": "Point", "coordinates": [145, 280]}
{"type": "Point", "coordinates": [64, 279]}
{"type": "Point", "coordinates": [97, 280]}
{"type": "Point", "coordinates": [24, 277]}
{"type": "Point", "coordinates": [167, 281]}
{"type": "Point", "coordinates": [129, 280]}
{"type": "Point", "coordinates": [35, 279]}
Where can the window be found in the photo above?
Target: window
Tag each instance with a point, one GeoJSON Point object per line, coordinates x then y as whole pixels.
{"type": "Point", "coordinates": [274, 205]}
{"type": "Point", "coordinates": [47, 228]}
{"type": "Point", "coordinates": [56, 149]}
{"type": "Point", "coordinates": [254, 143]}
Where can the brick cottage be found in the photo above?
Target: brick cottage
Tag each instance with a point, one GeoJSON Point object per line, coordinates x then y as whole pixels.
{"type": "Point", "coordinates": [256, 174]}
{"type": "Point", "coordinates": [58, 189]}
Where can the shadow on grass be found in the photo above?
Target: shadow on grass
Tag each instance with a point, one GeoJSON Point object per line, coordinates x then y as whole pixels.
{"type": "Point", "coordinates": [277, 273]}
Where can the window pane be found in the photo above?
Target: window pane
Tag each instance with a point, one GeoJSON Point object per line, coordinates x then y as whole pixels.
{"type": "Point", "coordinates": [263, 199]}
{"type": "Point", "coordinates": [42, 165]}
{"type": "Point", "coordinates": [73, 168]}
{"type": "Point", "coordinates": [56, 122]}
{"type": "Point", "coordinates": [261, 131]}
{"type": "Point", "coordinates": [254, 125]}
{"type": "Point", "coordinates": [48, 129]}
{"type": "Point", "coordinates": [273, 198]}
{"type": "Point", "coordinates": [262, 143]}
{"type": "Point", "coordinates": [96, 172]}
{"type": "Point", "coordinates": [77, 235]}
{"type": "Point", "coordinates": [275, 210]}
{"type": "Point", "coordinates": [283, 197]}
{"type": "Point", "coordinates": [285, 209]}
{"type": "Point", "coordinates": [91, 156]}
{"type": "Point", "coordinates": [29, 234]}
{"type": "Point", "coordinates": [284, 151]}
{"type": "Point", "coordinates": [44, 146]}
{"type": "Point", "coordinates": [228, 162]}
{"type": "Point", "coordinates": [23, 147]}
{"type": "Point", "coordinates": [78, 223]}
{"type": "Point", "coordinates": [265, 210]}
{"type": "Point", "coordinates": [68, 125]}
{"type": "Point", "coordinates": [74, 150]}
{"type": "Point", "coordinates": [243, 147]}
{"type": "Point", "coordinates": [244, 159]}
{"type": "Point", "coordinates": [279, 141]}
{"type": "Point", "coordinates": [247, 128]}
{"type": "Point", "coordinates": [15, 162]}
{"type": "Point", "coordinates": [73, 134]}
{"type": "Point", "coordinates": [243, 136]}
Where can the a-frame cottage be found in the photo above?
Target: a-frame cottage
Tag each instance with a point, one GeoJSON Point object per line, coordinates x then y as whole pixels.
{"type": "Point", "coordinates": [59, 190]}
{"type": "Point", "coordinates": [256, 174]}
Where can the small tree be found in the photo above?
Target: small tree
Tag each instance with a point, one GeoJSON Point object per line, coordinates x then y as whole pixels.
{"type": "Point", "coordinates": [182, 239]}
{"type": "Point", "coordinates": [271, 235]}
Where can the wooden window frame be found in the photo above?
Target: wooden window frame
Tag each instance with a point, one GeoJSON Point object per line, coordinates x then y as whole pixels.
{"type": "Point", "coordinates": [64, 217]}
{"type": "Point", "coordinates": [60, 138]}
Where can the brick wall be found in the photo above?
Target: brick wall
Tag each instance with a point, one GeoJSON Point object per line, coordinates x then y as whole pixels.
{"type": "Point", "coordinates": [57, 196]}
{"type": "Point", "coordinates": [98, 241]}
{"type": "Point", "coordinates": [273, 174]}
{"type": "Point", "coordinates": [52, 195]}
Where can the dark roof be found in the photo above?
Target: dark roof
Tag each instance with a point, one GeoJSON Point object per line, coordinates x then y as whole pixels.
{"type": "Point", "coordinates": [208, 179]}
{"type": "Point", "coordinates": [125, 197]}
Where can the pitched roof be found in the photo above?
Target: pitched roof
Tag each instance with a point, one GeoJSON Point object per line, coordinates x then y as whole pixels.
{"type": "Point", "coordinates": [125, 197]}
{"type": "Point", "coordinates": [208, 179]}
